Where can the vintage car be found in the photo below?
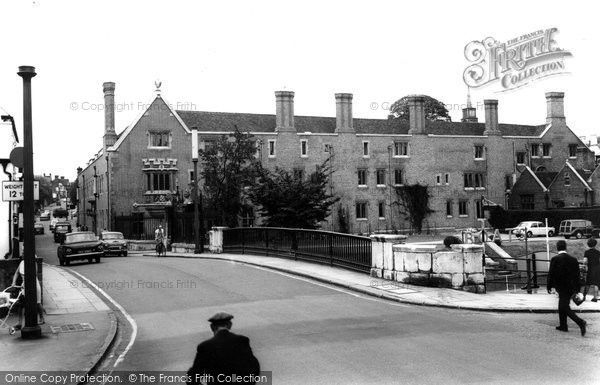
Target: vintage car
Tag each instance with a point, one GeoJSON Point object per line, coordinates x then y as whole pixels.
{"type": "Point", "coordinates": [114, 243]}
{"type": "Point", "coordinates": [577, 228]}
{"type": "Point", "coordinates": [533, 229]}
{"type": "Point", "coordinates": [60, 230]}
{"type": "Point", "coordinates": [38, 228]}
{"type": "Point", "coordinates": [78, 246]}
{"type": "Point", "coordinates": [45, 216]}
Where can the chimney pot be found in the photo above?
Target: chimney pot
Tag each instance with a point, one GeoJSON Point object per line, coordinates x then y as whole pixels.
{"type": "Point", "coordinates": [110, 136]}
{"type": "Point", "coordinates": [284, 110]}
{"type": "Point", "coordinates": [416, 114]}
{"type": "Point", "coordinates": [343, 113]}
{"type": "Point", "coordinates": [555, 107]}
{"type": "Point", "coordinates": [491, 117]}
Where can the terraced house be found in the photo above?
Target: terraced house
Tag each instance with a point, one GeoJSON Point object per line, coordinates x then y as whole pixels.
{"type": "Point", "coordinates": [149, 163]}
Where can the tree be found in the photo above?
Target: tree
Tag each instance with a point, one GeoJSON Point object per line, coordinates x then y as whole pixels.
{"type": "Point", "coordinates": [434, 109]}
{"type": "Point", "coordinates": [45, 191]}
{"type": "Point", "coordinates": [413, 202]}
{"type": "Point", "coordinates": [73, 192]}
{"type": "Point", "coordinates": [226, 170]}
{"type": "Point", "coordinates": [288, 200]}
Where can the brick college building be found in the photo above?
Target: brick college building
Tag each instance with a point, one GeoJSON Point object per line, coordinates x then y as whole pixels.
{"type": "Point", "coordinates": [142, 168]}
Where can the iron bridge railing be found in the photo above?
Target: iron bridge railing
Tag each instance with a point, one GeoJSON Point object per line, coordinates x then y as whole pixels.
{"type": "Point", "coordinates": [335, 249]}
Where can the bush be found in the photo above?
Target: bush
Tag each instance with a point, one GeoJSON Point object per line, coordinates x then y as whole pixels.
{"type": "Point", "coordinates": [451, 240]}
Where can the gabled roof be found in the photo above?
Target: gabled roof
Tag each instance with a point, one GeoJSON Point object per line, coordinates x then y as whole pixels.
{"type": "Point", "coordinates": [128, 129]}
{"type": "Point", "coordinates": [589, 179]}
{"type": "Point", "coordinates": [537, 179]}
{"type": "Point", "coordinates": [582, 175]}
{"type": "Point", "coordinates": [546, 177]}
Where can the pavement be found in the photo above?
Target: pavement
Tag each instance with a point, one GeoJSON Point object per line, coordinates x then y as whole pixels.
{"type": "Point", "coordinates": [76, 311]}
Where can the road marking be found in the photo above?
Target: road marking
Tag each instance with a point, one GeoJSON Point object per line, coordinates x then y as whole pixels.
{"type": "Point", "coordinates": [130, 319]}
{"type": "Point", "coordinates": [329, 286]}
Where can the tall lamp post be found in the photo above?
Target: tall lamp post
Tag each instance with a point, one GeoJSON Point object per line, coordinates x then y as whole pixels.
{"type": "Point", "coordinates": [31, 330]}
{"type": "Point", "coordinates": [199, 247]}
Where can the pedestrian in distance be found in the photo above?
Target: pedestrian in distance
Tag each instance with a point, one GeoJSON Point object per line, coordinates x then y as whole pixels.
{"type": "Point", "coordinates": [225, 356]}
{"type": "Point", "coordinates": [563, 276]}
{"type": "Point", "coordinates": [159, 237]}
{"type": "Point", "coordinates": [592, 258]}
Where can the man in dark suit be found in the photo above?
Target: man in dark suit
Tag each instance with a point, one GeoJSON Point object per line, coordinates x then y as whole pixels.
{"type": "Point", "coordinates": [563, 276]}
{"type": "Point", "coordinates": [224, 357]}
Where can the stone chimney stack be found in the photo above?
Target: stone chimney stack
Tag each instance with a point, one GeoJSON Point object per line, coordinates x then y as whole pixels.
{"type": "Point", "coordinates": [416, 114]}
{"type": "Point", "coordinates": [555, 107]}
{"type": "Point", "coordinates": [491, 117]}
{"type": "Point", "coordinates": [110, 136]}
{"type": "Point", "coordinates": [343, 113]}
{"type": "Point", "coordinates": [284, 108]}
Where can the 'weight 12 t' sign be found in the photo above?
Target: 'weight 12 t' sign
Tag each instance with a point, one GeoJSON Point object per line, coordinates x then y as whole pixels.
{"type": "Point", "coordinates": [13, 191]}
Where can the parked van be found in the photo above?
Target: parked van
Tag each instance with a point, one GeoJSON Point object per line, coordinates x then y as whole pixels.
{"type": "Point", "coordinates": [577, 228]}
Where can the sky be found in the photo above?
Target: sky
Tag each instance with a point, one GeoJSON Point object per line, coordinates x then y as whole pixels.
{"type": "Point", "coordinates": [232, 56]}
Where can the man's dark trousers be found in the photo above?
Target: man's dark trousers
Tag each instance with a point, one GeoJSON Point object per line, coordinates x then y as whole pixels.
{"type": "Point", "coordinates": [564, 310]}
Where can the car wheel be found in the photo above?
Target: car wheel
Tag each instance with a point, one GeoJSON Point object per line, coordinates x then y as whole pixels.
{"type": "Point", "coordinates": [61, 261]}
{"type": "Point", "coordinates": [550, 233]}
{"type": "Point", "coordinates": [529, 234]}
{"type": "Point", "coordinates": [67, 262]}
{"type": "Point", "coordinates": [97, 259]}
{"type": "Point", "coordinates": [578, 235]}
{"type": "Point", "coordinates": [89, 260]}
{"type": "Point", "coordinates": [124, 253]}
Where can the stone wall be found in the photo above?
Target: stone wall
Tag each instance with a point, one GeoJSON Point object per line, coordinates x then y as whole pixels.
{"type": "Point", "coordinates": [460, 267]}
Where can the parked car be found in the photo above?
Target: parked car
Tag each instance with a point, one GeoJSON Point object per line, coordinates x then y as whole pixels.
{"type": "Point", "coordinates": [577, 228]}
{"type": "Point", "coordinates": [533, 229]}
{"type": "Point", "coordinates": [114, 243]}
{"type": "Point", "coordinates": [45, 216]}
{"type": "Point", "coordinates": [83, 245]}
{"type": "Point", "coordinates": [60, 230]}
{"type": "Point", "coordinates": [38, 228]}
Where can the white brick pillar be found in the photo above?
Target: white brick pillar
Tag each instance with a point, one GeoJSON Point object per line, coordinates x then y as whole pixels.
{"type": "Point", "coordinates": [382, 259]}
{"type": "Point", "coordinates": [216, 239]}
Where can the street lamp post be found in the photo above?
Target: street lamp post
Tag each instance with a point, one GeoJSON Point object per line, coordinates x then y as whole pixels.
{"type": "Point", "coordinates": [198, 247]}
{"type": "Point", "coordinates": [31, 330]}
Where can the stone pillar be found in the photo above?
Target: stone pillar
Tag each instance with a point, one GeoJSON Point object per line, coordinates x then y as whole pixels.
{"type": "Point", "coordinates": [382, 259]}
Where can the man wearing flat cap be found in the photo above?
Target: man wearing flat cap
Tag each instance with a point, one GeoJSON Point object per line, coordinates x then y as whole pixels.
{"type": "Point", "coordinates": [224, 357]}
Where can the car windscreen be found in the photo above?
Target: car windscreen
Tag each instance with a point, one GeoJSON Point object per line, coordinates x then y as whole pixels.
{"type": "Point", "coordinates": [80, 237]}
{"type": "Point", "coordinates": [108, 236]}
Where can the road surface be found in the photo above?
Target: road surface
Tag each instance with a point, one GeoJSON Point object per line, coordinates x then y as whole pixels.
{"type": "Point", "coordinates": [309, 333]}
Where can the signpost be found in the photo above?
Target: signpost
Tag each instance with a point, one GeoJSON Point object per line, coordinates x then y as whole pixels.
{"type": "Point", "coordinates": [14, 191]}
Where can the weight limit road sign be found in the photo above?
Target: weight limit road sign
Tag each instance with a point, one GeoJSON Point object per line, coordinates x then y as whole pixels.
{"type": "Point", "coordinates": [13, 191]}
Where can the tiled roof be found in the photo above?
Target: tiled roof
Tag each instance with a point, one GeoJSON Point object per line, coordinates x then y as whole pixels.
{"type": "Point", "coordinates": [226, 121]}
{"type": "Point", "coordinates": [585, 174]}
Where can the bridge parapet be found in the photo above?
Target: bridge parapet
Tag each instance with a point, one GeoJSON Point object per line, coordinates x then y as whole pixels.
{"type": "Point", "coordinates": [460, 267]}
